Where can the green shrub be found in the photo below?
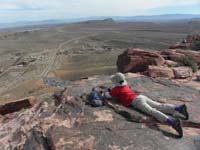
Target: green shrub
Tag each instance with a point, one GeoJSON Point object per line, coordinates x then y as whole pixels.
{"type": "Point", "coordinates": [188, 61]}
{"type": "Point", "coordinates": [195, 45]}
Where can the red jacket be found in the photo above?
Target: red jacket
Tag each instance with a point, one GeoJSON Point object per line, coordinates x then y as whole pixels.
{"type": "Point", "coordinates": [124, 94]}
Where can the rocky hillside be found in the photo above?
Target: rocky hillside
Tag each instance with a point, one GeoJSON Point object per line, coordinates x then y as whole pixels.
{"type": "Point", "coordinates": [190, 42]}
{"type": "Point", "coordinates": [68, 123]}
{"type": "Point", "coordinates": [60, 118]}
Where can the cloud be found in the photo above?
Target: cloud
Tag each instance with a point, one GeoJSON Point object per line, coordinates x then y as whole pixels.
{"type": "Point", "coordinates": [98, 5]}
{"type": "Point", "coordinates": [17, 5]}
{"type": "Point", "coordinates": [62, 9]}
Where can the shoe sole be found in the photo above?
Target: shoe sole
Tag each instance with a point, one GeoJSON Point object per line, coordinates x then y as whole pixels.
{"type": "Point", "coordinates": [180, 132]}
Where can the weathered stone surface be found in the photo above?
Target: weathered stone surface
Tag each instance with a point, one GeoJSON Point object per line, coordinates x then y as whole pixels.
{"type": "Point", "coordinates": [36, 140]}
{"type": "Point", "coordinates": [198, 77]}
{"type": "Point", "coordinates": [174, 54]}
{"type": "Point", "coordinates": [180, 46]}
{"type": "Point", "coordinates": [186, 43]}
{"type": "Point", "coordinates": [138, 60]}
{"type": "Point", "coordinates": [160, 71]}
{"type": "Point", "coordinates": [1, 70]}
{"type": "Point", "coordinates": [74, 125]}
{"type": "Point", "coordinates": [171, 63]}
{"type": "Point", "coordinates": [192, 38]}
{"type": "Point", "coordinates": [182, 72]}
{"type": "Point", "coordinates": [17, 105]}
{"type": "Point", "coordinates": [63, 138]}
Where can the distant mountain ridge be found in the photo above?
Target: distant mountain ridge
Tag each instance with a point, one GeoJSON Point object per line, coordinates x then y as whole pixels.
{"type": "Point", "coordinates": [153, 18]}
{"type": "Point", "coordinates": [30, 23]}
{"type": "Point", "coordinates": [164, 17]}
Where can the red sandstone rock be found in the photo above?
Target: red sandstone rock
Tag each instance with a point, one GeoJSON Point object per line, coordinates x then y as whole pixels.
{"type": "Point", "coordinates": [17, 105]}
{"type": "Point", "coordinates": [186, 43]}
{"type": "Point", "coordinates": [157, 71]}
{"type": "Point", "coordinates": [182, 72]}
{"type": "Point", "coordinates": [180, 46]}
{"type": "Point", "coordinates": [174, 54]}
{"type": "Point", "coordinates": [191, 38]}
{"type": "Point", "coordinates": [138, 60]}
{"type": "Point", "coordinates": [171, 63]}
{"type": "Point", "coordinates": [79, 127]}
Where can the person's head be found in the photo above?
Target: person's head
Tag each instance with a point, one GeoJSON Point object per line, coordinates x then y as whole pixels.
{"type": "Point", "coordinates": [118, 79]}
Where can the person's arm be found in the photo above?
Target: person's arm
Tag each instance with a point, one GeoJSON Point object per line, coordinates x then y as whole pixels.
{"type": "Point", "coordinates": [111, 93]}
{"type": "Point", "coordinates": [107, 95]}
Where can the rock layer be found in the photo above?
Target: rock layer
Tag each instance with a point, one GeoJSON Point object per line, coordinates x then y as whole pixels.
{"type": "Point", "coordinates": [157, 71]}
{"type": "Point", "coordinates": [138, 60]}
{"type": "Point", "coordinates": [157, 63]}
{"type": "Point", "coordinates": [17, 105]}
{"type": "Point", "coordinates": [71, 124]}
{"type": "Point", "coordinates": [174, 54]}
{"type": "Point", "coordinates": [182, 72]}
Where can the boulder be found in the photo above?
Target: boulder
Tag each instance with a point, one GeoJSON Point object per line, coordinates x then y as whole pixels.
{"type": "Point", "coordinates": [174, 54]}
{"type": "Point", "coordinates": [171, 63]}
{"type": "Point", "coordinates": [17, 105]}
{"type": "Point", "coordinates": [182, 72]}
{"type": "Point", "coordinates": [137, 60]}
{"type": "Point", "coordinates": [157, 71]}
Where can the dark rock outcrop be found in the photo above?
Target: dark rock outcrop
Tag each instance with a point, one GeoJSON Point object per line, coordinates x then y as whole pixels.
{"type": "Point", "coordinates": [17, 105]}
{"type": "Point", "coordinates": [36, 140]}
{"type": "Point", "coordinates": [198, 76]}
{"type": "Point", "coordinates": [138, 60]}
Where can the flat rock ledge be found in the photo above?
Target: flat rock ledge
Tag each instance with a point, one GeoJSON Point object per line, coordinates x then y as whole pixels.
{"type": "Point", "coordinates": [71, 124]}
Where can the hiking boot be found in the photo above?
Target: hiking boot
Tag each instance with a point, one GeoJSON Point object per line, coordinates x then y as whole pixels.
{"type": "Point", "coordinates": [176, 124]}
{"type": "Point", "coordinates": [183, 110]}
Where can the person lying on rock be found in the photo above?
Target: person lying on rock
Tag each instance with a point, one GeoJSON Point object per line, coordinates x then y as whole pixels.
{"type": "Point", "coordinates": [158, 110]}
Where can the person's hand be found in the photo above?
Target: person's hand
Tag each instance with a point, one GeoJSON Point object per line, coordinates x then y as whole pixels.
{"type": "Point", "coordinates": [107, 95]}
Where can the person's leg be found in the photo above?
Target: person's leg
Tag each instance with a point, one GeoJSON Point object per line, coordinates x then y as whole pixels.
{"type": "Point", "coordinates": [141, 103]}
{"type": "Point", "coordinates": [168, 108]}
{"type": "Point", "coordinates": [165, 108]}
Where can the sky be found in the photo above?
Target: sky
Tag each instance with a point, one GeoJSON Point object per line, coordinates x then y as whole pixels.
{"type": "Point", "coordinates": [36, 10]}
